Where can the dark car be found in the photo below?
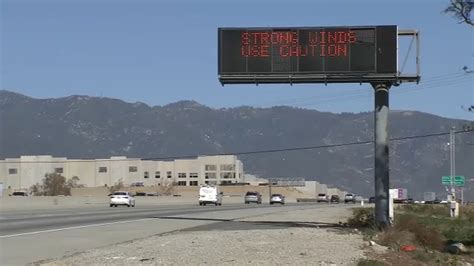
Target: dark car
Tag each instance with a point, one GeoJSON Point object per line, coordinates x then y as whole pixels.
{"type": "Point", "coordinates": [372, 200]}
{"type": "Point", "coordinates": [19, 193]}
{"type": "Point", "coordinates": [335, 199]}
{"type": "Point", "coordinates": [253, 196]}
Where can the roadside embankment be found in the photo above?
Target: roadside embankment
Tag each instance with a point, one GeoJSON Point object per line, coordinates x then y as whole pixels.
{"type": "Point", "coordinates": [295, 237]}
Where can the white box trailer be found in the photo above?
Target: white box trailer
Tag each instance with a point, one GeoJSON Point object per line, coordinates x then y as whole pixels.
{"type": "Point", "coordinates": [399, 195]}
{"type": "Point", "coordinates": [429, 197]}
{"type": "Point", "coordinates": [209, 194]}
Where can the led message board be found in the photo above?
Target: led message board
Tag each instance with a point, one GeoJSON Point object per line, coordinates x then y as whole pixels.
{"type": "Point", "coordinates": [308, 54]}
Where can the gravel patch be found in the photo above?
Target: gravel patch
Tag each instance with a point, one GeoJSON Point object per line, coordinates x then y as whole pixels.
{"type": "Point", "coordinates": [329, 215]}
{"type": "Point", "coordinates": [272, 246]}
{"type": "Point", "coordinates": [293, 246]}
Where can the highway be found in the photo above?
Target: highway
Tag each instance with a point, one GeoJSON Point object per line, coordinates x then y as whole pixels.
{"type": "Point", "coordinates": [31, 236]}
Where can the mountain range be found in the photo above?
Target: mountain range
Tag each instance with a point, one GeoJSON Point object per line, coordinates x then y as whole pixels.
{"type": "Point", "coordinates": [97, 127]}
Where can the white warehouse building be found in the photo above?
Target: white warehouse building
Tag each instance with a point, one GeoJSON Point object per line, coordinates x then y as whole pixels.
{"type": "Point", "coordinates": [23, 172]}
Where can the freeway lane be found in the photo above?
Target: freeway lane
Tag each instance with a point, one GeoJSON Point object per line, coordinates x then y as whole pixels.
{"type": "Point", "coordinates": [12, 224]}
{"type": "Point", "coordinates": [51, 234]}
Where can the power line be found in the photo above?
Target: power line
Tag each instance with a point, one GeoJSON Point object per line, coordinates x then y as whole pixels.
{"type": "Point", "coordinates": [363, 92]}
{"type": "Point", "coordinates": [357, 96]}
{"type": "Point", "coordinates": [430, 81]}
{"type": "Point", "coordinates": [257, 151]}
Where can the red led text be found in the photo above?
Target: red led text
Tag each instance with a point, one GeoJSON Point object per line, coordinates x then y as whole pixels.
{"type": "Point", "coordinates": [293, 44]}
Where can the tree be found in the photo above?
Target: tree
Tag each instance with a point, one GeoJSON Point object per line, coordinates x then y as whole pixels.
{"type": "Point", "coordinates": [461, 10]}
{"type": "Point", "coordinates": [466, 69]}
{"type": "Point", "coordinates": [72, 183]}
{"type": "Point", "coordinates": [54, 185]}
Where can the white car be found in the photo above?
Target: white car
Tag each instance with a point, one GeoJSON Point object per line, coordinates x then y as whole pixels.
{"type": "Point", "coordinates": [209, 195]}
{"type": "Point", "coordinates": [277, 198]}
{"type": "Point", "coordinates": [122, 198]}
{"type": "Point", "coordinates": [323, 198]}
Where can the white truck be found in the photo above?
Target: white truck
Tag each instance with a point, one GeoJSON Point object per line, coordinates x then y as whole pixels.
{"type": "Point", "coordinates": [399, 195]}
{"type": "Point", "coordinates": [209, 195]}
{"type": "Point", "coordinates": [429, 197]}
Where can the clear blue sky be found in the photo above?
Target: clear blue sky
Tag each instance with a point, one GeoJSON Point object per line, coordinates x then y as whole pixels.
{"type": "Point", "coordinates": [158, 52]}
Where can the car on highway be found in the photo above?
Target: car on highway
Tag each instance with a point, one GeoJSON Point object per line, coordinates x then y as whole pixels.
{"type": "Point", "coordinates": [209, 194]}
{"type": "Point", "coordinates": [253, 196]}
{"type": "Point", "coordinates": [322, 198]}
{"type": "Point", "coordinates": [19, 193]}
{"type": "Point", "coordinates": [122, 198]}
{"type": "Point", "coordinates": [335, 199]}
{"type": "Point", "coordinates": [350, 198]}
{"type": "Point", "coordinates": [372, 200]}
{"type": "Point", "coordinates": [277, 198]}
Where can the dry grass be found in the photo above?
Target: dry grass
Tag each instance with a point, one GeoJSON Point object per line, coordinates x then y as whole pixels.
{"type": "Point", "coordinates": [427, 227]}
{"type": "Point", "coordinates": [362, 218]}
{"type": "Point", "coordinates": [408, 231]}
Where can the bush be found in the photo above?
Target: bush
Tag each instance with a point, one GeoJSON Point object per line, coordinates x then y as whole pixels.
{"type": "Point", "coordinates": [425, 236]}
{"type": "Point", "coordinates": [395, 239]}
{"type": "Point", "coordinates": [54, 185]}
{"type": "Point", "coordinates": [362, 217]}
{"type": "Point", "coordinates": [168, 189]}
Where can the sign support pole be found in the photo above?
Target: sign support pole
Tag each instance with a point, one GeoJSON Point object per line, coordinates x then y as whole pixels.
{"type": "Point", "coordinates": [382, 180]}
{"type": "Point", "coordinates": [452, 161]}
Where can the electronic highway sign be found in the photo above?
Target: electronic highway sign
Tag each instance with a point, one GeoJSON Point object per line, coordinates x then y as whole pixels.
{"type": "Point", "coordinates": [307, 54]}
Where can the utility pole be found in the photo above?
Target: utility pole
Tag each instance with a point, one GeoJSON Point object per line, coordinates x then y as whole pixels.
{"type": "Point", "coordinates": [381, 168]}
{"type": "Point", "coordinates": [269, 191]}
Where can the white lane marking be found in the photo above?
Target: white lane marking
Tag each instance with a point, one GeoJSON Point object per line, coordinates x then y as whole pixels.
{"type": "Point", "coordinates": [75, 227]}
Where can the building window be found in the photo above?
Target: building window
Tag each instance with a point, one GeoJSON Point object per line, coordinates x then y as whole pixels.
{"type": "Point", "coordinates": [168, 174]}
{"type": "Point", "coordinates": [181, 183]}
{"type": "Point", "coordinates": [227, 175]}
{"type": "Point", "coordinates": [193, 183]}
{"type": "Point", "coordinates": [193, 175]}
{"type": "Point", "coordinates": [211, 167]}
{"type": "Point", "coordinates": [132, 169]}
{"type": "Point", "coordinates": [211, 175]}
{"type": "Point", "coordinates": [227, 167]}
{"type": "Point", "coordinates": [157, 174]}
{"type": "Point", "coordinates": [103, 169]}
{"type": "Point", "coordinates": [12, 171]}
{"type": "Point", "coordinates": [145, 175]}
{"type": "Point", "coordinates": [181, 175]}
{"type": "Point", "coordinates": [210, 182]}
{"type": "Point", "coordinates": [58, 170]}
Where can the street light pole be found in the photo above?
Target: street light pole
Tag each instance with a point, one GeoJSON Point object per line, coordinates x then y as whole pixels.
{"type": "Point", "coordinates": [452, 160]}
